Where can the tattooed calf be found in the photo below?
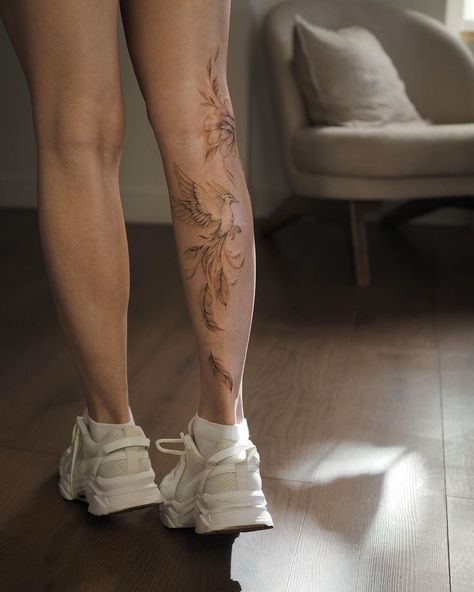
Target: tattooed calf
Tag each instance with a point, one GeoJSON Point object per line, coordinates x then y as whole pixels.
{"type": "Point", "coordinates": [209, 208]}
{"type": "Point", "coordinates": [219, 124]}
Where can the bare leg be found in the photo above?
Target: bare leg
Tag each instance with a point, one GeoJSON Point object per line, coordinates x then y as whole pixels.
{"type": "Point", "coordinates": [68, 51]}
{"type": "Point", "coordinates": [179, 51]}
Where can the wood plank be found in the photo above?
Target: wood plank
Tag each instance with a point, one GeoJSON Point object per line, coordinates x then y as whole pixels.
{"type": "Point", "coordinates": [47, 543]}
{"type": "Point", "coordinates": [397, 313]}
{"type": "Point", "coordinates": [457, 375]}
{"type": "Point", "coordinates": [461, 543]}
{"type": "Point", "coordinates": [341, 389]}
{"type": "Point", "coordinates": [269, 568]}
{"type": "Point", "coordinates": [406, 319]}
{"type": "Point", "coordinates": [289, 385]}
{"type": "Point", "coordinates": [455, 313]}
{"type": "Point", "coordinates": [454, 253]}
{"type": "Point", "coordinates": [377, 519]}
{"type": "Point", "coordinates": [304, 313]}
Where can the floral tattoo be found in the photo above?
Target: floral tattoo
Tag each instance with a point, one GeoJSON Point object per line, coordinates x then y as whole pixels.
{"type": "Point", "coordinates": [219, 124]}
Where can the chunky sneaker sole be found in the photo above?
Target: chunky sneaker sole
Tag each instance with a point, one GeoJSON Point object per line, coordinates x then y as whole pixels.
{"type": "Point", "coordinates": [230, 512]}
{"type": "Point", "coordinates": [106, 475]}
{"type": "Point", "coordinates": [217, 494]}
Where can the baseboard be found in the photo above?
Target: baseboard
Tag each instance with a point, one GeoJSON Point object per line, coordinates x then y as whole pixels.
{"type": "Point", "coordinates": [17, 191]}
{"type": "Point", "coordinates": [147, 205]}
{"type": "Point", "coordinates": [142, 205]}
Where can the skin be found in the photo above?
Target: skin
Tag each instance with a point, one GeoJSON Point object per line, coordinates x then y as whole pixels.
{"type": "Point", "coordinates": [68, 51]}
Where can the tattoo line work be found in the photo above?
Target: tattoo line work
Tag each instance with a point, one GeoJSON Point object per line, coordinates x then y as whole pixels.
{"type": "Point", "coordinates": [209, 208]}
{"type": "Point", "coordinates": [219, 125]}
{"type": "Point", "coordinates": [220, 372]}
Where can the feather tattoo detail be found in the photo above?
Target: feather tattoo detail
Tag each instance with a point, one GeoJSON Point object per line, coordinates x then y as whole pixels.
{"type": "Point", "coordinates": [209, 208]}
{"type": "Point", "coordinates": [220, 372]}
{"type": "Point", "coordinates": [219, 124]}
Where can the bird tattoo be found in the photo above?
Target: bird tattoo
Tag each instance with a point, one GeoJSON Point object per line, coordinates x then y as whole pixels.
{"type": "Point", "coordinates": [209, 208]}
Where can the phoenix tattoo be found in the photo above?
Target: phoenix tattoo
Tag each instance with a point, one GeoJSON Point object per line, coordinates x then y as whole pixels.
{"type": "Point", "coordinates": [209, 207]}
{"type": "Point", "coordinates": [219, 124]}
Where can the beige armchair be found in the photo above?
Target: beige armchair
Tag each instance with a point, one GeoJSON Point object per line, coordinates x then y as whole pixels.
{"type": "Point", "coordinates": [428, 166]}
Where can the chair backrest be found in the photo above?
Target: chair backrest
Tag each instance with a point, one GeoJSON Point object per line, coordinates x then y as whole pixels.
{"type": "Point", "coordinates": [438, 70]}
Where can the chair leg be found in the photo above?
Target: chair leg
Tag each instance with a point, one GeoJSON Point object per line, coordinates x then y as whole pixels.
{"type": "Point", "coordinates": [359, 244]}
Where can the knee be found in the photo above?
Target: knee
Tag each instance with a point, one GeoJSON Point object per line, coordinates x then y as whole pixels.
{"type": "Point", "coordinates": [82, 129]}
{"type": "Point", "coordinates": [173, 124]}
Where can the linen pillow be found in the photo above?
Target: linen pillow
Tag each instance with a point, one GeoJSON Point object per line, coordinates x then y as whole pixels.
{"type": "Point", "coordinates": [347, 79]}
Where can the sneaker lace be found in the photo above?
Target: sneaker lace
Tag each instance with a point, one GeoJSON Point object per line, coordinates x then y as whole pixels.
{"type": "Point", "coordinates": [179, 440]}
{"type": "Point", "coordinates": [237, 449]}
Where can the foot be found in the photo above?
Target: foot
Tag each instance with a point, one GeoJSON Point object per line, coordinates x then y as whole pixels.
{"type": "Point", "coordinates": [217, 493]}
{"type": "Point", "coordinates": [111, 475]}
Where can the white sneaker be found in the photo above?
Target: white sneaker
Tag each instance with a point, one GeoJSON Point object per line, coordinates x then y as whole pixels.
{"type": "Point", "coordinates": [218, 493]}
{"type": "Point", "coordinates": [112, 475]}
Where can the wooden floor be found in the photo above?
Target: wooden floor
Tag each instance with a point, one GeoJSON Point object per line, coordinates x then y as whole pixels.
{"type": "Point", "coordinates": [361, 402]}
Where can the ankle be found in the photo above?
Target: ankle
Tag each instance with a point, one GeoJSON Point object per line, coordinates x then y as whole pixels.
{"type": "Point", "coordinates": [211, 436]}
{"type": "Point", "coordinates": [120, 415]}
{"type": "Point", "coordinates": [99, 429]}
{"type": "Point", "coordinates": [216, 415]}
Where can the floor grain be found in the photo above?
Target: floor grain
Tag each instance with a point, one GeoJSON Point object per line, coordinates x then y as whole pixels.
{"type": "Point", "coordinates": [348, 393]}
{"type": "Point", "coordinates": [461, 543]}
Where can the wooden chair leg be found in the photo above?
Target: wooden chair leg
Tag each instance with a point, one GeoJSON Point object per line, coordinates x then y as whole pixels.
{"type": "Point", "coordinates": [359, 244]}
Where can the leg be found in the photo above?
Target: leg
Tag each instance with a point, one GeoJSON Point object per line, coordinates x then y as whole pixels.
{"type": "Point", "coordinates": [179, 51]}
{"type": "Point", "coordinates": [68, 51]}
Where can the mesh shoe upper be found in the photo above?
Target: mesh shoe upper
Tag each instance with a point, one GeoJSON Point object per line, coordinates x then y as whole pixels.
{"type": "Point", "coordinates": [230, 467]}
{"type": "Point", "coordinates": [86, 456]}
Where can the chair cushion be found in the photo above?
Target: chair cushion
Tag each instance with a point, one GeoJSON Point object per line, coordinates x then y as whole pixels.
{"type": "Point", "coordinates": [347, 78]}
{"type": "Point", "coordinates": [391, 151]}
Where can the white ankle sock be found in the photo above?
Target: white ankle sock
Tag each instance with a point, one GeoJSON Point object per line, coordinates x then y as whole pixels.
{"type": "Point", "coordinates": [100, 430]}
{"type": "Point", "coordinates": [211, 437]}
